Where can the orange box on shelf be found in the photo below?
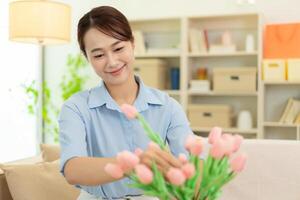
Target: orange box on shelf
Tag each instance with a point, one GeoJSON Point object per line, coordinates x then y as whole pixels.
{"type": "Point", "coordinates": [234, 79]}
{"type": "Point", "coordinates": [274, 70]}
{"type": "Point", "coordinates": [282, 41]}
{"type": "Point", "coordinates": [210, 115]}
{"type": "Point", "coordinates": [293, 70]}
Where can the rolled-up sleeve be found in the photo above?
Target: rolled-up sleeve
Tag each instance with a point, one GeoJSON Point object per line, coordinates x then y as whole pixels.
{"type": "Point", "coordinates": [178, 128]}
{"type": "Point", "coordinates": [72, 133]}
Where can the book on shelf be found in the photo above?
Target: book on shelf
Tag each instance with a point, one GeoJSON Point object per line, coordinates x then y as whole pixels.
{"type": "Point", "coordinates": [291, 112]}
{"type": "Point", "coordinates": [297, 120]}
{"type": "Point", "coordinates": [139, 42]}
{"type": "Point", "coordinates": [198, 41]}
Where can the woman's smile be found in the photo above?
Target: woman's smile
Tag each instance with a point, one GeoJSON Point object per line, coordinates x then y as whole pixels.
{"type": "Point", "coordinates": [117, 71]}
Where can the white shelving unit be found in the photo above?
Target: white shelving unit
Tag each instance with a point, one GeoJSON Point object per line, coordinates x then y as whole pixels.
{"type": "Point", "coordinates": [275, 95]}
{"type": "Point", "coordinates": [171, 37]}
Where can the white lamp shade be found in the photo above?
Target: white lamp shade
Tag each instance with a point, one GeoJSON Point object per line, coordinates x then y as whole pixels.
{"type": "Point", "coordinates": [43, 22]}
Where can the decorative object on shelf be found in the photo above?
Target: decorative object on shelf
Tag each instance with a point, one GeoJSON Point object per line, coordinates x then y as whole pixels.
{"type": "Point", "coordinates": [226, 46]}
{"type": "Point", "coordinates": [202, 73]}
{"type": "Point", "coordinates": [250, 43]}
{"type": "Point", "coordinates": [175, 78]}
{"type": "Point", "coordinates": [198, 41]}
{"type": "Point", "coordinates": [196, 179]}
{"type": "Point", "coordinates": [226, 38]}
{"type": "Point", "coordinates": [210, 115]}
{"type": "Point", "coordinates": [199, 86]}
{"type": "Point", "coordinates": [274, 70]}
{"type": "Point", "coordinates": [281, 41]}
{"type": "Point", "coordinates": [238, 79]}
{"type": "Point", "coordinates": [293, 70]}
{"type": "Point", "coordinates": [291, 112]}
{"type": "Point", "coordinates": [244, 121]}
{"type": "Point", "coordinates": [152, 71]}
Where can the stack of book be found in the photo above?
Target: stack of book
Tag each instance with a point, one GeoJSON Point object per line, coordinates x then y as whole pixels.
{"type": "Point", "coordinates": [291, 114]}
{"type": "Point", "coordinates": [140, 47]}
{"type": "Point", "coordinates": [198, 41]}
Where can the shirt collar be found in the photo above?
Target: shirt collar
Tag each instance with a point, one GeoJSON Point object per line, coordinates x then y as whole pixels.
{"type": "Point", "coordinates": [99, 96]}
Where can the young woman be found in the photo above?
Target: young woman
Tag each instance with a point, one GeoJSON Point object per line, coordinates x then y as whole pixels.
{"type": "Point", "coordinates": [92, 127]}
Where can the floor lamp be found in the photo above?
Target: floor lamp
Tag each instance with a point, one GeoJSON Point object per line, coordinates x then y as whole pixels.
{"type": "Point", "coordinates": [42, 22]}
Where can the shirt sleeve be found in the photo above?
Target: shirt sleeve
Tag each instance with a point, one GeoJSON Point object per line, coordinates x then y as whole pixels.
{"type": "Point", "coordinates": [72, 134]}
{"type": "Point", "coordinates": [178, 129]}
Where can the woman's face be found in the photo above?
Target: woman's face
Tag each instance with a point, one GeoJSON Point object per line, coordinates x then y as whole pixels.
{"type": "Point", "coordinates": [110, 57]}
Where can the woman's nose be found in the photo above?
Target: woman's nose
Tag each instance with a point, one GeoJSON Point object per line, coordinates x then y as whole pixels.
{"type": "Point", "coordinates": [111, 60]}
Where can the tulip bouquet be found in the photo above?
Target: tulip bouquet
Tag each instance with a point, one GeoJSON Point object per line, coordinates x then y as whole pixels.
{"type": "Point", "coordinates": [197, 179]}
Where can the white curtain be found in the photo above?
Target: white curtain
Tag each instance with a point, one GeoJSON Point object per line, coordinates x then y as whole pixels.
{"type": "Point", "coordinates": [19, 64]}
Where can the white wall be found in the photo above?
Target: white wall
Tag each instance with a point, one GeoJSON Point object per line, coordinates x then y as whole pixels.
{"type": "Point", "coordinates": [277, 11]}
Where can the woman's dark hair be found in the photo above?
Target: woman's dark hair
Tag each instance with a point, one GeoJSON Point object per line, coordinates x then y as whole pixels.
{"type": "Point", "coordinates": [106, 19]}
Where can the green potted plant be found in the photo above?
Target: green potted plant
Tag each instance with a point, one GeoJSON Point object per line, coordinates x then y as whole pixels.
{"type": "Point", "coordinates": [72, 81]}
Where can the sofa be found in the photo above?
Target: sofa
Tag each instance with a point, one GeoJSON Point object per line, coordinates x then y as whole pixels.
{"type": "Point", "coordinates": [272, 173]}
{"type": "Point", "coordinates": [36, 178]}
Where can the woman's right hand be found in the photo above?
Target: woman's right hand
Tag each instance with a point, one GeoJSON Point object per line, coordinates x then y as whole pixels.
{"type": "Point", "coordinates": [163, 159]}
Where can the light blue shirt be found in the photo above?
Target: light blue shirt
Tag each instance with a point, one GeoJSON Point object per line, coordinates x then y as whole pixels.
{"type": "Point", "coordinates": [92, 124]}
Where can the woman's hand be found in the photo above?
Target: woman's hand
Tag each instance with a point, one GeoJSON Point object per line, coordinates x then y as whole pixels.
{"type": "Point", "coordinates": [163, 159]}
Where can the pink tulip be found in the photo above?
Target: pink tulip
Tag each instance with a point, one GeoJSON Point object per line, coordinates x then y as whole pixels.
{"type": "Point", "coordinates": [189, 141]}
{"type": "Point", "coordinates": [237, 142]}
{"type": "Point", "coordinates": [238, 163]}
{"type": "Point", "coordinates": [129, 110]}
{"type": "Point", "coordinates": [114, 170]}
{"type": "Point", "coordinates": [218, 149]}
{"type": "Point", "coordinates": [176, 176]}
{"type": "Point", "coordinates": [138, 152]}
{"type": "Point", "coordinates": [188, 170]}
{"type": "Point", "coordinates": [214, 135]}
{"type": "Point", "coordinates": [127, 160]}
{"type": "Point", "coordinates": [229, 144]}
{"type": "Point", "coordinates": [143, 173]}
{"type": "Point", "coordinates": [194, 145]}
{"type": "Point", "coordinates": [182, 158]}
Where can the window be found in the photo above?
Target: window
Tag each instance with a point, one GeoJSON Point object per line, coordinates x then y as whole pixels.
{"type": "Point", "coordinates": [18, 65]}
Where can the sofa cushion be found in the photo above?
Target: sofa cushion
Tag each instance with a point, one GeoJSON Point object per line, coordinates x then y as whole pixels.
{"type": "Point", "coordinates": [38, 181]}
{"type": "Point", "coordinates": [50, 152]}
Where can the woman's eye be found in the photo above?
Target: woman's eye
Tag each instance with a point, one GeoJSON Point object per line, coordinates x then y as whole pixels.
{"type": "Point", "coordinates": [119, 49]}
{"type": "Point", "coordinates": [98, 56]}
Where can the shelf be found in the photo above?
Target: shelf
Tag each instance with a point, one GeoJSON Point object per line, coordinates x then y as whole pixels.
{"type": "Point", "coordinates": [173, 92]}
{"type": "Point", "coordinates": [227, 130]}
{"type": "Point", "coordinates": [212, 93]}
{"type": "Point", "coordinates": [161, 53]}
{"type": "Point", "coordinates": [278, 124]}
{"type": "Point", "coordinates": [238, 53]}
{"type": "Point", "coordinates": [281, 83]}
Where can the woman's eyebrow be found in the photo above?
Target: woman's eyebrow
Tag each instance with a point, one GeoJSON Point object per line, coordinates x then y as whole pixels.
{"type": "Point", "coordinates": [101, 49]}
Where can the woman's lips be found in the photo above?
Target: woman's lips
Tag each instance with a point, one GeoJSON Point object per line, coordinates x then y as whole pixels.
{"type": "Point", "coordinates": [117, 72]}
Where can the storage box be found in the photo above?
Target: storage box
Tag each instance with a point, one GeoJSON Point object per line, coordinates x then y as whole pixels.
{"type": "Point", "coordinates": [293, 70]}
{"type": "Point", "coordinates": [234, 79]}
{"type": "Point", "coordinates": [274, 70]}
{"type": "Point", "coordinates": [210, 115]}
{"type": "Point", "coordinates": [199, 86]}
{"type": "Point", "coordinates": [153, 72]}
